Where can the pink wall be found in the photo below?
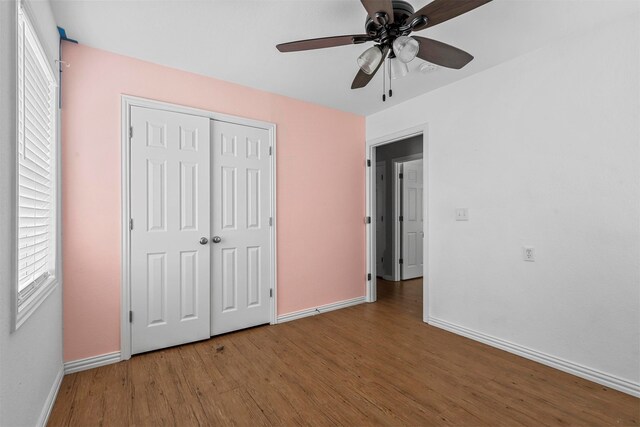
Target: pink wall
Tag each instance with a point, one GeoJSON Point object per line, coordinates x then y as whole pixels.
{"type": "Point", "coordinates": [320, 189]}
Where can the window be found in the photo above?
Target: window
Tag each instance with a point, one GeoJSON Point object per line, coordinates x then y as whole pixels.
{"type": "Point", "coordinates": [36, 172]}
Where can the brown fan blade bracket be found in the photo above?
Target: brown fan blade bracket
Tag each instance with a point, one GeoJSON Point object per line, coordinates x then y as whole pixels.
{"type": "Point", "coordinates": [381, 18]}
{"type": "Point", "coordinates": [414, 22]}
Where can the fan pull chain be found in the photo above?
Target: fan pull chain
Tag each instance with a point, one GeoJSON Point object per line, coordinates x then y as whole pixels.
{"type": "Point", "coordinates": [390, 91]}
{"type": "Point", "coordinates": [384, 79]}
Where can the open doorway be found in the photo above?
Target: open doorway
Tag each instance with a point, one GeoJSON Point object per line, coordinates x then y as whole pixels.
{"type": "Point", "coordinates": [396, 240]}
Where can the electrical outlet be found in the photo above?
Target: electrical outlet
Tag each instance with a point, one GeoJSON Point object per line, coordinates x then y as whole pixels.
{"type": "Point", "coordinates": [462, 214]}
{"type": "Point", "coordinates": [528, 253]}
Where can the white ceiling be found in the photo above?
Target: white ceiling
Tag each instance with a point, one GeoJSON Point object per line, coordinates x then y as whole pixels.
{"type": "Point", "coordinates": [235, 40]}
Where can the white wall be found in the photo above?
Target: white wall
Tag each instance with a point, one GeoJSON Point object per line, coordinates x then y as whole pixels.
{"type": "Point", "coordinates": [31, 357]}
{"type": "Point", "coordinates": [544, 150]}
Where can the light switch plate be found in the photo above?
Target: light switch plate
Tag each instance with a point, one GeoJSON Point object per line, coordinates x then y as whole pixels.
{"type": "Point", "coordinates": [462, 214]}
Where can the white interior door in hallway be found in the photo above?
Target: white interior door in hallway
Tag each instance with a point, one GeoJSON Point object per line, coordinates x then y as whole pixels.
{"type": "Point", "coordinates": [170, 212]}
{"type": "Point", "coordinates": [412, 220]}
{"type": "Point", "coordinates": [241, 222]}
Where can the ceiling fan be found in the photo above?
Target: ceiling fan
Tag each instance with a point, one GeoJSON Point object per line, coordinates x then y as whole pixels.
{"type": "Point", "coordinates": [388, 24]}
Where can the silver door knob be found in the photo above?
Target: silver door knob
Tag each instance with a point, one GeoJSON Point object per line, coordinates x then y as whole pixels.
{"type": "Point", "coordinates": [216, 239]}
{"type": "Point", "coordinates": [204, 240]}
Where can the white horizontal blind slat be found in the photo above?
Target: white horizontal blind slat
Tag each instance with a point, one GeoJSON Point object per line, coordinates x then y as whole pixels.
{"type": "Point", "coordinates": [33, 57]}
{"type": "Point", "coordinates": [36, 115]}
{"type": "Point", "coordinates": [33, 177]}
{"type": "Point", "coordinates": [35, 122]}
{"type": "Point", "coordinates": [36, 125]}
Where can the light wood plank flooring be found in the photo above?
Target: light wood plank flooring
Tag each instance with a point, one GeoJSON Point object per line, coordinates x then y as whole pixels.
{"type": "Point", "coordinates": [372, 364]}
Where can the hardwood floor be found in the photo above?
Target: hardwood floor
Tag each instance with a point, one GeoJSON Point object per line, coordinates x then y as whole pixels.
{"type": "Point", "coordinates": [372, 364]}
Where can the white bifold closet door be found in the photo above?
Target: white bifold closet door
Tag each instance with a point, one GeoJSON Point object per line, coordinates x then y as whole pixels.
{"type": "Point", "coordinates": [412, 224]}
{"type": "Point", "coordinates": [241, 248]}
{"type": "Point", "coordinates": [170, 209]}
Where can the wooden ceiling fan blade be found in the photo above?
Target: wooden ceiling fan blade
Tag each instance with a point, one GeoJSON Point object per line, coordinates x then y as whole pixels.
{"type": "Point", "coordinates": [362, 79]}
{"type": "Point", "coordinates": [374, 6]}
{"type": "Point", "coordinates": [439, 11]}
{"type": "Point", "coordinates": [442, 54]}
{"type": "Point", "coordinates": [322, 42]}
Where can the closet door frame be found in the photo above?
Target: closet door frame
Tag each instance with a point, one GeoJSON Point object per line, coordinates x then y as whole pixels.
{"type": "Point", "coordinates": [127, 102]}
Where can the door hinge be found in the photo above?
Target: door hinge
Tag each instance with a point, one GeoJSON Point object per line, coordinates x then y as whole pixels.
{"type": "Point", "coordinates": [130, 316]}
{"type": "Point", "coordinates": [401, 175]}
{"type": "Point", "coordinates": [130, 131]}
{"type": "Point", "coordinates": [131, 224]}
{"type": "Point", "coordinates": [270, 150]}
{"type": "Point", "coordinates": [401, 218]}
{"type": "Point", "coordinates": [368, 163]}
{"type": "Point", "coordinates": [381, 177]}
{"type": "Point", "coordinates": [369, 277]}
{"type": "Point", "coordinates": [270, 221]}
{"type": "Point", "coordinates": [367, 220]}
{"type": "Point", "coordinates": [400, 261]}
{"type": "Point", "coordinates": [271, 293]}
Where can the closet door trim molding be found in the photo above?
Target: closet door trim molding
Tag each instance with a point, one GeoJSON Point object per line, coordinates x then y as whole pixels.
{"type": "Point", "coordinates": [127, 102]}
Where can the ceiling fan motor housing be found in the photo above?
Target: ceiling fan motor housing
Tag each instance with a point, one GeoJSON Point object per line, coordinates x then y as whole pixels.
{"type": "Point", "coordinates": [382, 34]}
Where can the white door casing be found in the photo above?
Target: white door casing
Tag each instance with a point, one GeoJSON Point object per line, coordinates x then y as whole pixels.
{"type": "Point", "coordinates": [240, 187]}
{"type": "Point", "coordinates": [170, 212]}
{"type": "Point", "coordinates": [371, 146]}
{"type": "Point", "coordinates": [412, 220]}
{"type": "Point", "coordinates": [381, 202]}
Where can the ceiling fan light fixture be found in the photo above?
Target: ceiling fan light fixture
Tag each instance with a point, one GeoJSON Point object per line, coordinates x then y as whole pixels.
{"type": "Point", "coordinates": [398, 69]}
{"type": "Point", "coordinates": [369, 59]}
{"type": "Point", "coordinates": [406, 48]}
{"type": "Point", "coordinates": [427, 67]}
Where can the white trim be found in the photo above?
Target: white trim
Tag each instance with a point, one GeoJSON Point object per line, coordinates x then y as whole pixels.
{"type": "Point", "coordinates": [31, 305]}
{"type": "Point", "coordinates": [564, 365]}
{"type": "Point", "coordinates": [371, 144]}
{"type": "Point", "coordinates": [320, 309]}
{"type": "Point", "coordinates": [274, 225]}
{"type": "Point", "coordinates": [51, 399]}
{"type": "Point", "coordinates": [125, 300]}
{"type": "Point", "coordinates": [371, 265]}
{"type": "Point", "coordinates": [396, 241]}
{"type": "Point", "coordinates": [92, 362]}
{"type": "Point", "coordinates": [128, 101]}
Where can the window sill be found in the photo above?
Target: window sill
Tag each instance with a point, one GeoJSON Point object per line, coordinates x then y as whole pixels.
{"type": "Point", "coordinates": [30, 306]}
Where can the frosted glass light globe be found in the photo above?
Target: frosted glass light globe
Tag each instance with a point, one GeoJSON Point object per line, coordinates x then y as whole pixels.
{"type": "Point", "coordinates": [406, 48]}
{"type": "Point", "coordinates": [398, 69]}
{"type": "Point", "coordinates": [369, 59]}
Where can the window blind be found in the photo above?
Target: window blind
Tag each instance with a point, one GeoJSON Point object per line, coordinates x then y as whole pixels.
{"type": "Point", "coordinates": [36, 179]}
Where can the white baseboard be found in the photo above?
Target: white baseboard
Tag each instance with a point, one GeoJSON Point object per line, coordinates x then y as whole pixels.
{"type": "Point", "coordinates": [573, 368]}
{"type": "Point", "coordinates": [320, 309]}
{"type": "Point", "coordinates": [91, 362]}
{"type": "Point", "coordinates": [51, 399]}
